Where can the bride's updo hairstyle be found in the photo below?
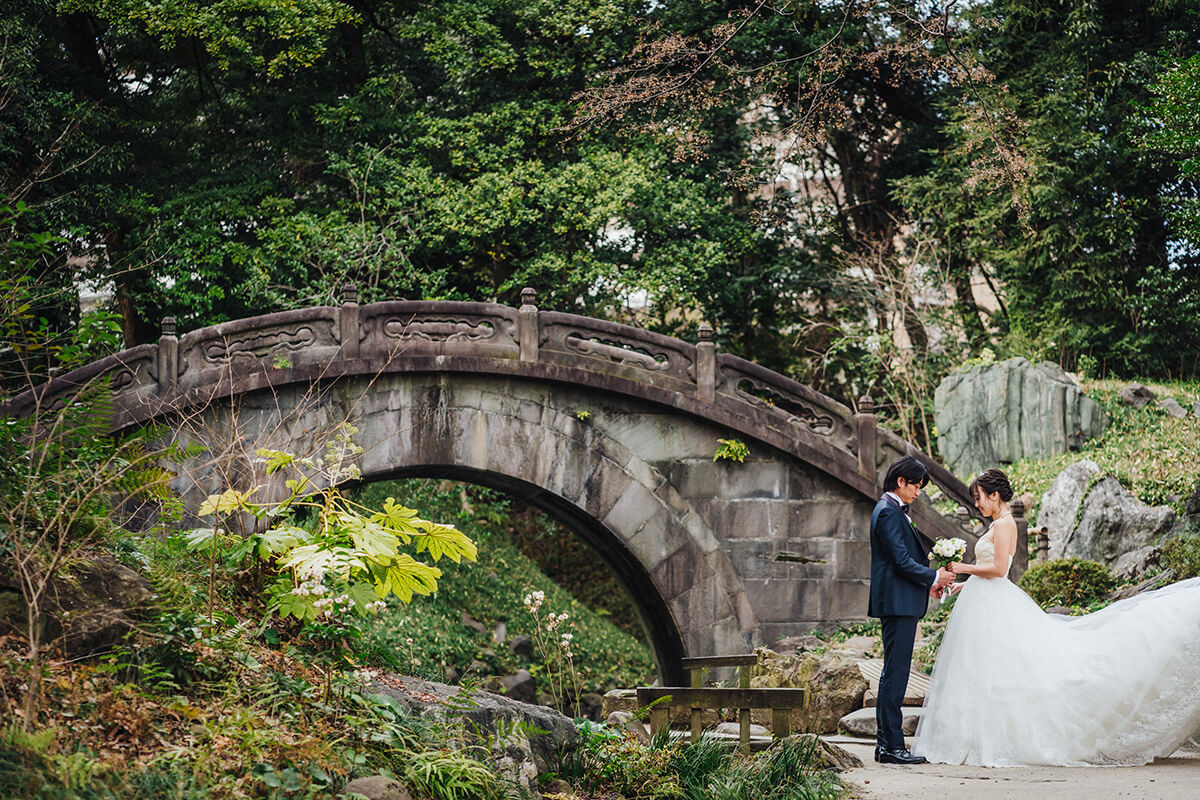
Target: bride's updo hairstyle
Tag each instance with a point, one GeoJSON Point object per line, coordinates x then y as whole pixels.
{"type": "Point", "coordinates": [992, 480]}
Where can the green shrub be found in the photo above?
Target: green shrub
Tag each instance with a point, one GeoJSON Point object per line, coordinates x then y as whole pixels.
{"type": "Point", "coordinates": [1182, 556]}
{"type": "Point", "coordinates": [1067, 582]}
{"type": "Point", "coordinates": [453, 775]}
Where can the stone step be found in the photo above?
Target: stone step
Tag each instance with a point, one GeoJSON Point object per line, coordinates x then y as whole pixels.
{"type": "Point", "coordinates": [872, 668]}
{"type": "Point", "coordinates": [862, 722]}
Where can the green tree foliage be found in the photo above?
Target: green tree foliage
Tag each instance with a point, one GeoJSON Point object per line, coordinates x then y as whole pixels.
{"type": "Point", "coordinates": [1043, 184]}
{"type": "Point", "coordinates": [1173, 122]}
{"type": "Point", "coordinates": [991, 143]}
{"type": "Point", "coordinates": [225, 159]}
{"type": "Point", "coordinates": [801, 176]}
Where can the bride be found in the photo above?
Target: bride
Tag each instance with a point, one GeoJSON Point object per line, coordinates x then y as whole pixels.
{"type": "Point", "coordinates": [1014, 686]}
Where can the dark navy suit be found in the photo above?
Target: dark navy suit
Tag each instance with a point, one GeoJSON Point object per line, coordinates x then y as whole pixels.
{"type": "Point", "coordinates": [900, 582]}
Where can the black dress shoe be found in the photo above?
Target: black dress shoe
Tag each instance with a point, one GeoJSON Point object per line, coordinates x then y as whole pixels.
{"type": "Point", "coordinates": [901, 756]}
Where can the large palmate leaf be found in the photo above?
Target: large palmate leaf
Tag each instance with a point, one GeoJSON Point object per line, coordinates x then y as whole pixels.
{"type": "Point", "coordinates": [313, 560]}
{"type": "Point", "coordinates": [275, 459]}
{"type": "Point", "coordinates": [200, 540]}
{"type": "Point", "coordinates": [374, 540]}
{"type": "Point", "coordinates": [397, 518]}
{"type": "Point", "coordinates": [362, 593]}
{"type": "Point", "coordinates": [444, 540]}
{"type": "Point", "coordinates": [404, 577]}
{"type": "Point", "coordinates": [277, 540]}
{"type": "Point", "coordinates": [225, 502]}
{"type": "Point", "coordinates": [302, 608]}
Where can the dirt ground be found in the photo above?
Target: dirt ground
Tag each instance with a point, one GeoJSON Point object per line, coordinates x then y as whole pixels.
{"type": "Point", "coordinates": [1175, 778]}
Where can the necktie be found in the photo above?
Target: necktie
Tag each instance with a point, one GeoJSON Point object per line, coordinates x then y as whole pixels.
{"type": "Point", "coordinates": [904, 508]}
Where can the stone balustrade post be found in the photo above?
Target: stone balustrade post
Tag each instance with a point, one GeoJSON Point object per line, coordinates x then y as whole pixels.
{"type": "Point", "coordinates": [1043, 545]}
{"type": "Point", "coordinates": [168, 358]}
{"type": "Point", "coordinates": [527, 325]}
{"type": "Point", "coordinates": [963, 517]}
{"type": "Point", "coordinates": [348, 322]}
{"type": "Point", "coordinates": [706, 365]}
{"type": "Point", "coordinates": [1021, 557]}
{"type": "Point", "coordinates": [864, 424]}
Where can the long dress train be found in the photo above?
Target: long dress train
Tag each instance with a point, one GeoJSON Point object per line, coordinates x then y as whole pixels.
{"type": "Point", "coordinates": [1016, 686]}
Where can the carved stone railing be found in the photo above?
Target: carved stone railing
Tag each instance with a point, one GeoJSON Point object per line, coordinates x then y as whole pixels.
{"type": "Point", "coordinates": [779, 400]}
{"type": "Point", "coordinates": [619, 350]}
{"type": "Point", "coordinates": [395, 328]}
{"type": "Point", "coordinates": [328, 342]}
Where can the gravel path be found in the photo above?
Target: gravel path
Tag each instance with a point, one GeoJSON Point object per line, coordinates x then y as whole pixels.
{"type": "Point", "coordinates": [1175, 778]}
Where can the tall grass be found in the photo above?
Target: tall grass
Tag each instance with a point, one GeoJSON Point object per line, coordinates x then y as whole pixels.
{"type": "Point", "coordinates": [788, 770]}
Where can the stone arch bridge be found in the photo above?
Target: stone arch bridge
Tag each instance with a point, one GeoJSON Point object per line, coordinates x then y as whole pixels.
{"type": "Point", "coordinates": [608, 428]}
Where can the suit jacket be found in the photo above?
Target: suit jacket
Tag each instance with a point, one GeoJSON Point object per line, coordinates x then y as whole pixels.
{"type": "Point", "coordinates": [900, 571]}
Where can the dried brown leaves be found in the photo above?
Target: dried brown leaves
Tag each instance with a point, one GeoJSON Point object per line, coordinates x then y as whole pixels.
{"type": "Point", "coordinates": [871, 64]}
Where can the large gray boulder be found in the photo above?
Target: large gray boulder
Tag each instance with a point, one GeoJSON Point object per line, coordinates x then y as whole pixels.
{"type": "Point", "coordinates": [1060, 504]}
{"type": "Point", "coordinates": [1172, 407]}
{"type": "Point", "coordinates": [998, 413]}
{"type": "Point", "coordinates": [1191, 507]}
{"type": "Point", "coordinates": [376, 787]}
{"type": "Point", "coordinates": [506, 724]}
{"type": "Point", "coordinates": [1137, 395]}
{"type": "Point", "coordinates": [835, 682]}
{"type": "Point", "coordinates": [1114, 522]}
{"type": "Point", "coordinates": [862, 722]}
{"type": "Point", "coordinates": [90, 606]}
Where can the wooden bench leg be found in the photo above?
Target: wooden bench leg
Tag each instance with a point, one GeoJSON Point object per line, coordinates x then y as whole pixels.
{"type": "Point", "coordinates": [744, 729]}
{"type": "Point", "coordinates": [660, 720]}
{"type": "Point", "coordinates": [781, 722]}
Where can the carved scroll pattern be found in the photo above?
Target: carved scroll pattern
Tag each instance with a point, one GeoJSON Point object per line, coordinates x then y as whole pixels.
{"type": "Point", "coordinates": [637, 355]}
{"type": "Point", "coordinates": [441, 330]}
{"type": "Point", "coordinates": [800, 412]}
{"type": "Point", "coordinates": [134, 374]}
{"type": "Point", "coordinates": [264, 344]}
{"type": "Point", "coordinates": [606, 346]}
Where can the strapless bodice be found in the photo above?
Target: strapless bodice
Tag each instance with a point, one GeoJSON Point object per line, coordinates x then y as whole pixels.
{"type": "Point", "coordinates": [985, 551]}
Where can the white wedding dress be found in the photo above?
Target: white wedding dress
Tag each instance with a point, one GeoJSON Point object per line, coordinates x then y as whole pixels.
{"type": "Point", "coordinates": [1015, 686]}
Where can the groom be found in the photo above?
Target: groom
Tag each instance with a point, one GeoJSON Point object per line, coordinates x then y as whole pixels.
{"type": "Point", "coordinates": [901, 584]}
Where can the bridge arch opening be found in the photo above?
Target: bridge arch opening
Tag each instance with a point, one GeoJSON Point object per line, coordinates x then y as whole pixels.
{"type": "Point", "coordinates": [653, 613]}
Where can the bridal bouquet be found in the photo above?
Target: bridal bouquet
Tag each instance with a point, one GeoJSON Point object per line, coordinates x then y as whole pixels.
{"type": "Point", "coordinates": [947, 550]}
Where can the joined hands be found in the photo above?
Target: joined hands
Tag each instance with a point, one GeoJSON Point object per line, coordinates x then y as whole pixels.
{"type": "Point", "coordinates": [945, 578]}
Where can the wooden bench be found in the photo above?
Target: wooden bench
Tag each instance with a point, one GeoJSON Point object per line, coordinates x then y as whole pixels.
{"type": "Point", "coordinates": [697, 698]}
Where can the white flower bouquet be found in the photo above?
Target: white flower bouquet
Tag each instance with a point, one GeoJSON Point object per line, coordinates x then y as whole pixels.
{"type": "Point", "coordinates": [947, 550]}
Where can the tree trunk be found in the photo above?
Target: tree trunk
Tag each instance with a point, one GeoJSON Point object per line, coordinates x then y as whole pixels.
{"type": "Point", "coordinates": [33, 628]}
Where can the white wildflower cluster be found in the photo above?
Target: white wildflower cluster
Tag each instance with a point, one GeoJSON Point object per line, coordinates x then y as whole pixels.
{"type": "Point", "coordinates": [565, 642]}
{"type": "Point", "coordinates": [554, 620]}
{"type": "Point", "coordinates": [310, 587]}
{"type": "Point", "coordinates": [950, 549]}
{"type": "Point", "coordinates": [376, 606]}
{"type": "Point", "coordinates": [328, 606]}
{"type": "Point", "coordinates": [534, 600]}
{"type": "Point", "coordinates": [339, 453]}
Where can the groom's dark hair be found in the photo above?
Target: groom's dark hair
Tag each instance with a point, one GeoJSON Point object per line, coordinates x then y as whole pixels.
{"type": "Point", "coordinates": [907, 467]}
